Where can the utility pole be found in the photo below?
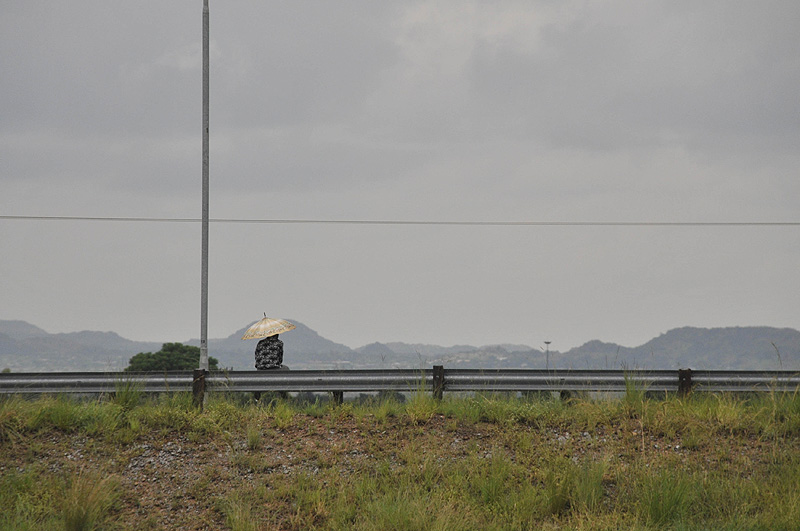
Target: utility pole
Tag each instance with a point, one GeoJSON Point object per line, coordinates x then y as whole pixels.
{"type": "Point", "coordinates": [547, 354]}
{"type": "Point", "coordinates": [204, 259]}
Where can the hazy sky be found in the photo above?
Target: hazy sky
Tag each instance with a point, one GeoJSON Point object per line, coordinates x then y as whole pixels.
{"type": "Point", "coordinates": [635, 111]}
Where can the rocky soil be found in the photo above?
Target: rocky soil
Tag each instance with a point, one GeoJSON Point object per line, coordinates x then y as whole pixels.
{"type": "Point", "coordinates": [173, 480]}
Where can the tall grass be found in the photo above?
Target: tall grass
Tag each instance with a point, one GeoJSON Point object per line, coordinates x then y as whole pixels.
{"type": "Point", "coordinates": [664, 497]}
{"type": "Point", "coordinates": [253, 436]}
{"type": "Point", "coordinates": [128, 392]}
{"type": "Point", "coordinates": [88, 500]}
{"type": "Point", "coordinates": [33, 499]}
{"type": "Point", "coordinates": [484, 461]}
{"type": "Point", "coordinates": [10, 420]}
{"type": "Point", "coordinates": [635, 396]}
{"type": "Point", "coordinates": [238, 511]}
{"type": "Point", "coordinates": [282, 414]}
{"type": "Point", "coordinates": [589, 490]}
{"type": "Point", "coordinates": [558, 486]}
{"type": "Point", "coordinates": [421, 407]}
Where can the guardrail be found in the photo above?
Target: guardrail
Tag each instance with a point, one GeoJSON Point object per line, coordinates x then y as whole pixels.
{"type": "Point", "coordinates": [435, 380]}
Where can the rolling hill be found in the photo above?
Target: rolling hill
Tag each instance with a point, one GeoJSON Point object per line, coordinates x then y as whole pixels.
{"type": "Point", "coordinates": [26, 347]}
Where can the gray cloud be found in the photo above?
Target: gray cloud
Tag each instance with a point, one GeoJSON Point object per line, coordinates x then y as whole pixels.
{"type": "Point", "coordinates": [508, 110]}
{"type": "Point", "coordinates": [295, 63]}
{"type": "Point", "coordinates": [606, 80]}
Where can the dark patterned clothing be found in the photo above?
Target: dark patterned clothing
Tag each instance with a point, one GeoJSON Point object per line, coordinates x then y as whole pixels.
{"type": "Point", "coordinates": [269, 353]}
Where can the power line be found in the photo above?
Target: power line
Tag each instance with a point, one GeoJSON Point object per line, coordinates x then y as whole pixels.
{"type": "Point", "coordinates": [409, 222]}
{"type": "Point", "coordinates": [413, 222]}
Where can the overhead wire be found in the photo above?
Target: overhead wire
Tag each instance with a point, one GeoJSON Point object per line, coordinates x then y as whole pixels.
{"type": "Point", "coordinates": [506, 223]}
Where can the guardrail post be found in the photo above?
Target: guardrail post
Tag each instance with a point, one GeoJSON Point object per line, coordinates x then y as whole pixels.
{"type": "Point", "coordinates": [199, 387]}
{"type": "Point", "coordinates": [338, 397]}
{"type": "Point", "coordinates": [684, 382]}
{"type": "Point", "coordinates": [438, 381]}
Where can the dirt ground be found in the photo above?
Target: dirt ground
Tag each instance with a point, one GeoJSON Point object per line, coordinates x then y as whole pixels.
{"type": "Point", "coordinates": [174, 481]}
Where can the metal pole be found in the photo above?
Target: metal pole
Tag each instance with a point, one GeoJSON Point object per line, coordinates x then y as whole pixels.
{"type": "Point", "coordinates": [204, 260]}
{"type": "Point", "coordinates": [547, 354]}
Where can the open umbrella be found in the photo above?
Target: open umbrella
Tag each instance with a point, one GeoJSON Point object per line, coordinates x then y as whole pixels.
{"type": "Point", "coordinates": [268, 327]}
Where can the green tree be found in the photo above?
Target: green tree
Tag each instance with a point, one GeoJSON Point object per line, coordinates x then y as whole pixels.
{"type": "Point", "coordinates": [171, 357]}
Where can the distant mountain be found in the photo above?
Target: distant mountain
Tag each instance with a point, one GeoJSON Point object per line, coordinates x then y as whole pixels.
{"type": "Point", "coordinates": [378, 350]}
{"type": "Point", "coordinates": [25, 347]}
{"type": "Point", "coordinates": [9, 347]}
{"type": "Point", "coordinates": [20, 330]}
{"type": "Point", "coordinates": [741, 348]}
{"type": "Point", "coordinates": [462, 356]}
{"type": "Point", "coordinates": [419, 349]}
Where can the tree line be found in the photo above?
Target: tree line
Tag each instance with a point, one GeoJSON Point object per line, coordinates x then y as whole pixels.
{"type": "Point", "coordinates": [171, 357]}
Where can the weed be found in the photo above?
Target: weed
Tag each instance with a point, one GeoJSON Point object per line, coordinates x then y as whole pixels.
{"type": "Point", "coordinates": [102, 419]}
{"type": "Point", "coordinates": [61, 413]}
{"type": "Point", "coordinates": [665, 497]}
{"type": "Point", "coordinates": [728, 413]}
{"type": "Point", "coordinates": [227, 416]}
{"type": "Point", "coordinates": [343, 412]}
{"type": "Point", "coordinates": [694, 438]}
{"type": "Point", "coordinates": [635, 396]}
{"type": "Point", "coordinates": [88, 500]}
{"type": "Point", "coordinates": [127, 392]}
{"type": "Point", "coordinates": [387, 409]}
{"type": "Point", "coordinates": [589, 485]}
{"type": "Point", "coordinates": [27, 501]}
{"type": "Point", "coordinates": [282, 414]}
{"type": "Point", "coordinates": [466, 409]}
{"type": "Point", "coordinates": [558, 487]}
{"type": "Point", "coordinates": [420, 408]}
{"type": "Point", "coordinates": [238, 511]}
{"type": "Point", "coordinates": [317, 408]}
{"type": "Point", "coordinates": [253, 436]}
{"type": "Point", "coordinates": [10, 421]}
{"type": "Point", "coordinates": [402, 510]}
{"type": "Point", "coordinates": [493, 481]}
{"type": "Point", "coordinates": [491, 462]}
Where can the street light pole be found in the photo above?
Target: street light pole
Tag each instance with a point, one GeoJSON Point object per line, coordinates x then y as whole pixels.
{"type": "Point", "coordinates": [204, 252]}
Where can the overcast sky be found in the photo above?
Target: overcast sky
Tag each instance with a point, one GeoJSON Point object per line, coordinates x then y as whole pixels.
{"type": "Point", "coordinates": [567, 111]}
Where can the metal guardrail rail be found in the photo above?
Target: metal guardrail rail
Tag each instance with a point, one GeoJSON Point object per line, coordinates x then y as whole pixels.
{"type": "Point", "coordinates": [93, 382]}
{"type": "Point", "coordinates": [434, 380]}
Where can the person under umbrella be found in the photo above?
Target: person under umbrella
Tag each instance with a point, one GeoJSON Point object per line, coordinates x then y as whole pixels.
{"type": "Point", "coordinates": [269, 351]}
{"type": "Point", "coordinates": [269, 354]}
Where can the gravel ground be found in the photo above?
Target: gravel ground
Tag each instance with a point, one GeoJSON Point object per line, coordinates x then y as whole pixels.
{"type": "Point", "coordinates": [174, 481]}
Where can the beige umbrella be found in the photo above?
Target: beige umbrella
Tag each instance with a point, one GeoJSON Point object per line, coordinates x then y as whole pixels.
{"type": "Point", "coordinates": [268, 327]}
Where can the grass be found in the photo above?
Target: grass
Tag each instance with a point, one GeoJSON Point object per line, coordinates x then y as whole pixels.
{"type": "Point", "coordinates": [666, 497]}
{"type": "Point", "coordinates": [238, 513]}
{"type": "Point", "coordinates": [253, 436]}
{"type": "Point", "coordinates": [88, 500]}
{"type": "Point", "coordinates": [484, 461]}
{"type": "Point", "coordinates": [75, 501]}
{"type": "Point", "coordinates": [128, 393]}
